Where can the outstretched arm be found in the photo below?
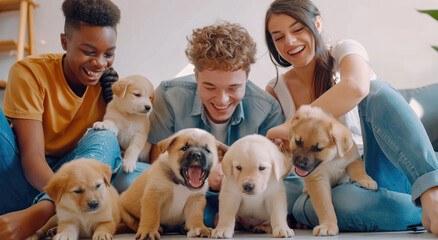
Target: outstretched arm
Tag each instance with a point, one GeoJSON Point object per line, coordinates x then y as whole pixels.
{"type": "Point", "coordinates": [353, 87]}
{"type": "Point", "coordinates": [341, 98]}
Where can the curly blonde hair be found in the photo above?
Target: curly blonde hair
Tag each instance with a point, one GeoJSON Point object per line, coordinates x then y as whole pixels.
{"type": "Point", "coordinates": [226, 47]}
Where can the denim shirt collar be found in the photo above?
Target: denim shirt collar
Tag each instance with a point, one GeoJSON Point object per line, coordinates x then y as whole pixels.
{"type": "Point", "coordinates": [199, 109]}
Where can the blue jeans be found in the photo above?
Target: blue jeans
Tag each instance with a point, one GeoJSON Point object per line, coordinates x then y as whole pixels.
{"type": "Point", "coordinates": [397, 154]}
{"type": "Point", "coordinates": [18, 193]}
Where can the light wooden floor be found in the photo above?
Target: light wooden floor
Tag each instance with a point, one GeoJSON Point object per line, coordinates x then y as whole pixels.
{"type": "Point", "coordinates": [307, 234]}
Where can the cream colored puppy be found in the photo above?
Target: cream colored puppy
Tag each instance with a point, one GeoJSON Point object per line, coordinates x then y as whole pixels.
{"type": "Point", "coordinates": [126, 115]}
{"type": "Point", "coordinates": [324, 155]}
{"type": "Point", "coordinates": [172, 191]}
{"type": "Point", "coordinates": [86, 203]}
{"type": "Point", "coordinates": [252, 188]}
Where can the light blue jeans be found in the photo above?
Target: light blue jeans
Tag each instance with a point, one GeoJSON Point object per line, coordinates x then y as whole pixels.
{"type": "Point", "coordinates": [397, 154]}
{"type": "Point", "coordinates": [18, 193]}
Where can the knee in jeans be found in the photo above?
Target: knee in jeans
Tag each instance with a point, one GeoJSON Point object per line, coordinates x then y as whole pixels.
{"type": "Point", "coordinates": [381, 95]}
{"type": "Point", "coordinates": [103, 137]}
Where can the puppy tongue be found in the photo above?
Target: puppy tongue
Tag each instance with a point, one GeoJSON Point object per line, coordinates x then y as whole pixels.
{"type": "Point", "coordinates": [300, 172]}
{"type": "Point", "coordinates": [195, 173]}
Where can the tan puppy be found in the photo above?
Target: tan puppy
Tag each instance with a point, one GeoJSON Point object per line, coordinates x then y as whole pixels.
{"type": "Point", "coordinates": [252, 188]}
{"type": "Point", "coordinates": [86, 203]}
{"type": "Point", "coordinates": [325, 155]}
{"type": "Point", "coordinates": [173, 189]}
{"type": "Point", "coordinates": [126, 116]}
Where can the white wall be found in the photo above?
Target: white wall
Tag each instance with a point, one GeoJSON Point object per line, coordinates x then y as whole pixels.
{"type": "Point", "coordinates": [152, 34]}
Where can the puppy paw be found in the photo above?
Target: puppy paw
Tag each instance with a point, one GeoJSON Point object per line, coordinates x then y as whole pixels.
{"type": "Point", "coordinates": [99, 126]}
{"type": "Point", "coordinates": [128, 164]}
{"type": "Point", "coordinates": [105, 125]}
{"type": "Point", "coordinates": [147, 235]}
{"type": "Point", "coordinates": [66, 236]}
{"type": "Point", "coordinates": [222, 233]}
{"type": "Point", "coordinates": [366, 182]}
{"type": "Point", "coordinates": [283, 232]}
{"type": "Point", "coordinates": [102, 236]}
{"type": "Point", "coordinates": [326, 230]}
{"type": "Point", "coordinates": [203, 232]}
{"type": "Point", "coordinates": [266, 228]}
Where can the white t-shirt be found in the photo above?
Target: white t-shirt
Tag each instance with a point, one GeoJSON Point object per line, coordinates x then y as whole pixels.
{"type": "Point", "coordinates": [338, 51]}
{"type": "Point", "coordinates": [219, 130]}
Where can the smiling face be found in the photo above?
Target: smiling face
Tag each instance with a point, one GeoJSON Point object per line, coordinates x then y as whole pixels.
{"type": "Point", "coordinates": [89, 53]}
{"type": "Point", "coordinates": [221, 92]}
{"type": "Point", "coordinates": [293, 41]}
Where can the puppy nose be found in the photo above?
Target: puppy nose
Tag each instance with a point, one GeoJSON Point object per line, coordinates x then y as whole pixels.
{"type": "Point", "coordinates": [248, 187]}
{"type": "Point", "coordinates": [301, 162]}
{"type": "Point", "coordinates": [93, 204]}
{"type": "Point", "coordinates": [147, 107]}
{"type": "Point", "coordinates": [196, 156]}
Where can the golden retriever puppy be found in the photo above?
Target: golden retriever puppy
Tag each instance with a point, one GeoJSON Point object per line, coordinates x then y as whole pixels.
{"type": "Point", "coordinates": [173, 189]}
{"type": "Point", "coordinates": [324, 155]}
{"type": "Point", "coordinates": [252, 188]}
{"type": "Point", "coordinates": [86, 203]}
{"type": "Point", "coordinates": [126, 115]}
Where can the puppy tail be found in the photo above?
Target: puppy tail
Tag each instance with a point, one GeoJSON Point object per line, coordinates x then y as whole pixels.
{"type": "Point", "coordinates": [128, 219]}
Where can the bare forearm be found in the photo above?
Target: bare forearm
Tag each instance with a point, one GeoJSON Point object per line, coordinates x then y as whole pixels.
{"type": "Point", "coordinates": [37, 171]}
{"type": "Point", "coordinates": [340, 99]}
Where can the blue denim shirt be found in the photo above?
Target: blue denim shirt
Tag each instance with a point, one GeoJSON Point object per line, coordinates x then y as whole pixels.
{"type": "Point", "coordinates": [178, 105]}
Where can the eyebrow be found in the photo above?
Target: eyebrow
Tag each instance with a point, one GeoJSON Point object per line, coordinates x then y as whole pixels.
{"type": "Point", "coordinates": [232, 85]}
{"type": "Point", "coordinates": [290, 26]}
{"type": "Point", "coordinates": [93, 47]}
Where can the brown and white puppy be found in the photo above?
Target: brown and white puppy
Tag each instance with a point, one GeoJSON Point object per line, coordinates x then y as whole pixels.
{"type": "Point", "coordinates": [86, 203]}
{"type": "Point", "coordinates": [325, 155]}
{"type": "Point", "coordinates": [252, 189]}
{"type": "Point", "coordinates": [126, 115]}
{"type": "Point", "coordinates": [173, 189]}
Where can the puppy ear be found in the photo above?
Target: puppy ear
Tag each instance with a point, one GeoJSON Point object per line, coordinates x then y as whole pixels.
{"type": "Point", "coordinates": [165, 144]}
{"type": "Point", "coordinates": [341, 135]}
{"type": "Point", "coordinates": [293, 122]}
{"type": "Point", "coordinates": [153, 98]}
{"type": "Point", "coordinates": [227, 167]}
{"type": "Point", "coordinates": [280, 165]}
{"type": "Point", "coordinates": [56, 186]}
{"type": "Point", "coordinates": [221, 150]}
{"type": "Point", "coordinates": [152, 93]}
{"type": "Point", "coordinates": [119, 88]}
{"type": "Point", "coordinates": [106, 172]}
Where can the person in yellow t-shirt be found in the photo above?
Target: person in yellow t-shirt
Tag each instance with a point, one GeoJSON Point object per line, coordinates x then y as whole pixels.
{"type": "Point", "coordinates": [51, 100]}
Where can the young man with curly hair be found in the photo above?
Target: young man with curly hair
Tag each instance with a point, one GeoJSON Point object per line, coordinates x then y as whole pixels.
{"type": "Point", "coordinates": [218, 97]}
{"type": "Point", "coordinates": [51, 100]}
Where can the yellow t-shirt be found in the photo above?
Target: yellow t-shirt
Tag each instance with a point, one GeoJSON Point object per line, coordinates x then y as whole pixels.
{"type": "Point", "coordinates": [38, 90]}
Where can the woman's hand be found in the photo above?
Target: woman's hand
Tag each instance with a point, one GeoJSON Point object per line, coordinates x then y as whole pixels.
{"type": "Point", "coordinates": [280, 135]}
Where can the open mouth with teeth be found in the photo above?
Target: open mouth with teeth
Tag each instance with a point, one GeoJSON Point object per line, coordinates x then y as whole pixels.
{"type": "Point", "coordinates": [194, 176]}
{"type": "Point", "coordinates": [296, 50]}
{"type": "Point", "coordinates": [92, 74]}
{"type": "Point", "coordinates": [220, 107]}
